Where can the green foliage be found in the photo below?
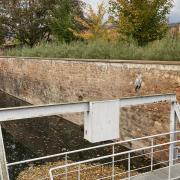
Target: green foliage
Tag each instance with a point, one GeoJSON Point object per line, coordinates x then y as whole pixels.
{"type": "Point", "coordinates": [2, 32]}
{"type": "Point", "coordinates": [30, 21]}
{"type": "Point", "coordinates": [26, 20]}
{"type": "Point", "coordinates": [165, 49]}
{"type": "Point", "coordinates": [62, 19]}
{"type": "Point", "coordinates": [144, 20]}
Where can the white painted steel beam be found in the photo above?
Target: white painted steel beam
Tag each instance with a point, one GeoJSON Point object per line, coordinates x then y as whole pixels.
{"type": "Point", "coordinates": [147, 100]}
{"type": "Point", "coordinates": [26, 112]}
{"type": "Point", "coordinates": [17, 113]}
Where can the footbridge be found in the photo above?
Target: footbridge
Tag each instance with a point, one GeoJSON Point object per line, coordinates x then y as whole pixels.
{"type": "Point", "coordinates": [103, 116]}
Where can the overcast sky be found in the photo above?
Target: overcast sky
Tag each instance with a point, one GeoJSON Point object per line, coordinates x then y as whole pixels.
{"type": "Point", "coordinates": [174, 16]}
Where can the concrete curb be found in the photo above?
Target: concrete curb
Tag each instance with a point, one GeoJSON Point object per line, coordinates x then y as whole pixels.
{"type": "Point", "coordinates": [96, 60]}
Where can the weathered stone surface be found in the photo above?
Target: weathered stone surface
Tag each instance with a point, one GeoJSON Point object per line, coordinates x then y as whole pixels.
{"type": "Point", "coordinates": [39, 81]}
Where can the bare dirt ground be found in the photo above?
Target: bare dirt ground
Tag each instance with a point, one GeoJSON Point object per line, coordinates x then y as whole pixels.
{"type": "Point", "coordinates": [88, 172]}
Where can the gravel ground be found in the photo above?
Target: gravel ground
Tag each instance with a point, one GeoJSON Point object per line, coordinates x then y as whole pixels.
{"type": "Point", "coordinates": [88, 172]}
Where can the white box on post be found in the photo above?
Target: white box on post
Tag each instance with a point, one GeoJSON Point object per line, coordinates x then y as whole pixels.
{"type": "Point", "coordinates": [102, 121]}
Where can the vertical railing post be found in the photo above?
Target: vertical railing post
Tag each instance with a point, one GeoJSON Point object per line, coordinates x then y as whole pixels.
{"type": "Point", "coordinates": [66, 169]}
{"type": "Point", "coordinates": [152, 153]}
{"type": "Point", "coordinates": [129, 166]}
{"type": "Point", "coordinates": [79, 173]}
{"type": "Point", "coordinates": [169, 174]}
{"type": "Point", "coordinates": [113, 162]}
{"type": "Point", "coordinates": [172, 147]}
{"type": "Point", "coordinates": [50, 174]}
{"type": "Point", "coordinates": [3, 163]}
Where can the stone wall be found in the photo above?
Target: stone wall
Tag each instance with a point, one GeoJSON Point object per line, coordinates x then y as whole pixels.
{"type": "Point", "coordinates": [40, 81]}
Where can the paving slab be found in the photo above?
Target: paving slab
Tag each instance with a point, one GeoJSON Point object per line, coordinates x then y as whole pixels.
{"type": "Point", "coordinates": [160, 174]}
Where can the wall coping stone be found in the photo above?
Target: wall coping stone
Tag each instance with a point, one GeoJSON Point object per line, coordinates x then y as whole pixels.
{"type": "Point", "coordinates": [95, 60]}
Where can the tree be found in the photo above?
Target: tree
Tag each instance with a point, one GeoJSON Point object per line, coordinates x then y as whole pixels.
{"type": "Point", "coordinates": [26, 20]}
{"type": "Point", "coordinates": [95, 25]}
{"type": "Point", "coordinates": [62, 19]}
{"type": "Point", "coordinates": [2, 28]}
{"type": "Point", "coordinates": [144, 20]}
{"type": "Point", "coordinates": [2, 32]}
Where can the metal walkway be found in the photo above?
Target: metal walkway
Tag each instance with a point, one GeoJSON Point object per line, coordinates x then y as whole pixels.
{"type": "Point", "coordinates": [160, 174]}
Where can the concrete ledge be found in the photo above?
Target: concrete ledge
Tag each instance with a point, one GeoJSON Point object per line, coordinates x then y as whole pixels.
{"type": "Point", "coordinates": [96, 60]}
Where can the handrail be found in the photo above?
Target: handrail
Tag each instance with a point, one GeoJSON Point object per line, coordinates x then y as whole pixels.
{"type": "Point", "coordinates": [111, 155]}
{"type": "Point", "coordinates": [90, 148]}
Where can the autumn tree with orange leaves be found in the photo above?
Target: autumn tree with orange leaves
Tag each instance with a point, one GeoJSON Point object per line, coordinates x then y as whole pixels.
{"type": "Point", "coordinates": [95, 25]}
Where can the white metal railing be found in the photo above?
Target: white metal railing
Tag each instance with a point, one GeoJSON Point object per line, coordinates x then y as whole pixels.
{"type": "Point", "coordinates": [65, 154]}
{"type": "Point", "coordinates": [18, 113]}
{"type": "Point", "coordinates": [150, 151]}
{"type": "Point", "coordinates": [66, 170]}
{"type": "Point", "coordinates": [151, 154]}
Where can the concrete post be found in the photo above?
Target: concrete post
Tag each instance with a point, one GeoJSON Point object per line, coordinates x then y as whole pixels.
{"type": "Point", "coordinates": [4, 170]}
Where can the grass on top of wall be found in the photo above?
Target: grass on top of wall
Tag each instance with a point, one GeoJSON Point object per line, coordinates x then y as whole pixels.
{"type": "Point", "coordinates": [166, 49]}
